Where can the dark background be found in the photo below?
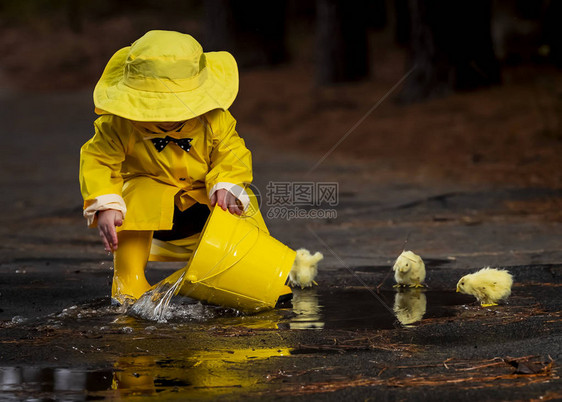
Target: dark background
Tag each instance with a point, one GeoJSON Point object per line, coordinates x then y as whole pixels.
{"type": "Point", "coordinates": [459, 163]}
{"type": "Point", "coordinates": [481, 102]}
{"type": "Point", "coordinates": [456, 45]}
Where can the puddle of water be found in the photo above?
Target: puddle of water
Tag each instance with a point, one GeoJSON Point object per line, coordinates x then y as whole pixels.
{"type": "Point", "coordinates": [312, 308]}
{"type": "Point", "coordinates": [176, 360]}
{"type": "Point", "coordinates": [357, 308]}
{"type": "Point", "coordinates": [189, 350]}
{"type": "Point", "coordinates": [37, 384]}
{"type": "Point", "coordinates": [192, 375]}
{"type": "Point", "coordinates": [183, 363]}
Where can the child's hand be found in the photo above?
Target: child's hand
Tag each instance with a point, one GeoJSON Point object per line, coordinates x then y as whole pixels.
{"type": "Point", "coordinates": [226, 200]}
{"type": "Point", "coordinates": [107, 221]}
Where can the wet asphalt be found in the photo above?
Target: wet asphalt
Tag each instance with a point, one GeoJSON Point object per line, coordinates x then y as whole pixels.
{"type": "Point", "coordinates": [61, 339]}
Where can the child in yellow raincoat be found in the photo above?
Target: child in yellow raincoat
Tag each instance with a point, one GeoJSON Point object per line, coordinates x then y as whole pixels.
{"type": "Point", "coordinates": [165, 149]}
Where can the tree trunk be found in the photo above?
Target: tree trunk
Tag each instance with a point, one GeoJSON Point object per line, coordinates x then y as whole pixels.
{"type": "Point", "coordinates": [219, 26]}
{"type": "Point", "coordinates": [553, 31]}
{"type": "Point", "coordinates": [341, 41]}
{"type": "Point", "coordinates": [376, 14]}
{"type": "Point", "coordinates": [451, 48]}
{"type": "Point", "coordinates": [402, 27]}
{"type": "Point", "coordinates": [254, 31]}
{"type": "Point", "coordinates": [75, 16]}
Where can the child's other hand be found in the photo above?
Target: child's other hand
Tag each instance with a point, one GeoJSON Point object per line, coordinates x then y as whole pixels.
{"type": "Point", "coordinates": [224, 199]}
{"type": "Point", "coordinates": [107, 221]}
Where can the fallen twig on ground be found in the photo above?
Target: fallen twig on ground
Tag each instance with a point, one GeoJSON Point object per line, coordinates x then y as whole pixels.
{"type": "Point", "coordinates": [533, 372]}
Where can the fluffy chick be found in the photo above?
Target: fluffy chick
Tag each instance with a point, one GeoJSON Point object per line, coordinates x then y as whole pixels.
{"type": "Point", "coordinates": [409, 305]}
{"type": "Point", "coordinates": [305, 268]}
{"type": "Point", "coordinates": [409, 270]}
{"type": "Point", "coordinates": [489, 285]}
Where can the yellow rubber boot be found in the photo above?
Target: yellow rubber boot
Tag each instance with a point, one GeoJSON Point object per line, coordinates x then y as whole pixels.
{"type": "Point", "coordinates": [129, 261]}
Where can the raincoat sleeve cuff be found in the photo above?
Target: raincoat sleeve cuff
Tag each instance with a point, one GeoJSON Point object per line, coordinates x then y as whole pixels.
{"type": "Point", "coordinates": [233, 189]}
{"type": "Point", "coordinates": [102, 203]}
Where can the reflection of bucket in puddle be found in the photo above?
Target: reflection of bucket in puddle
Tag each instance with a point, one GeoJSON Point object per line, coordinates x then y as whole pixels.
{"type": "Point", "coordinates": [237, 264]}
{"type": "Point", "coordinates": [192, 373]}
{"type": "Point", "coordinates": [134, 375]}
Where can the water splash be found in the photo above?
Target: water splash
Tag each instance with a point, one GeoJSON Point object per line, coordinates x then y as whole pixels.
{"type": "Point", "coordinates": [154, 304]}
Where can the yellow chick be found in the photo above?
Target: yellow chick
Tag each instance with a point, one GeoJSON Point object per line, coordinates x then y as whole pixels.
{"type": "Point", "coordinates": [409, 270]}
{"type": "Point", "coordinates": [409, 305]}
{"type": "Point", "coordinates": [489, 285]}
{"type": "Point", "coordinates": [305, 268]}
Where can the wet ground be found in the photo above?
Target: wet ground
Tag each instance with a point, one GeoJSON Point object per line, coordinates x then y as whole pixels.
{"type": "Point", "coordinates": [353, 336]}
{"type": "Point", "coordinates": [332, 341]}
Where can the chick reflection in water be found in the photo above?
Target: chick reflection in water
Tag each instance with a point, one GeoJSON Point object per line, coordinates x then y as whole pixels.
{"type": "Point", "coordinates": [307, 309]}
{"type": "Point", "coordinates": [409, 305]}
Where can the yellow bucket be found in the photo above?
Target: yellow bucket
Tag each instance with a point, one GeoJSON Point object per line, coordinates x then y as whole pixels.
{"type": "Point", "coordinates": [238, 264]}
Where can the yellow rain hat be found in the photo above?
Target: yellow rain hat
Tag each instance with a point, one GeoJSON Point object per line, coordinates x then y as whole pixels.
{"type": "Point", "coordinates": [166, 76]}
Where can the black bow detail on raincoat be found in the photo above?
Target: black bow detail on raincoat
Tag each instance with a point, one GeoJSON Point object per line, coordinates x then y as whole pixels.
{"type": "Point", "coordinates": [160, 143]}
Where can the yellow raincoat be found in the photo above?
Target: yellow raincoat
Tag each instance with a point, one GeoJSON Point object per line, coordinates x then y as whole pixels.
{"type": "Point", "coordinates": [122, 164]}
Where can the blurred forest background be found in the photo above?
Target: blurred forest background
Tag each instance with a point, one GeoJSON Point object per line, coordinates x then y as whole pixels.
{"type": "Point", "coordinates": [480, 94]}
